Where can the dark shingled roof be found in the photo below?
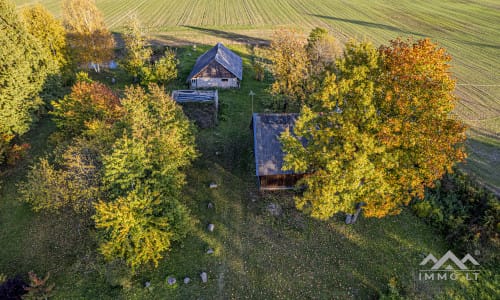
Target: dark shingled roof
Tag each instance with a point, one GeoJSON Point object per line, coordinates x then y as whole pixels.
{"type": "Point", "coordinates": [228, 59]}
{"type": "Point", "coordinates": [267, 129]}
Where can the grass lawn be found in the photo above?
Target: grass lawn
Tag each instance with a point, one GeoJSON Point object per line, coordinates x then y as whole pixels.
{"type": "Point", "coordinates": [256, 255]}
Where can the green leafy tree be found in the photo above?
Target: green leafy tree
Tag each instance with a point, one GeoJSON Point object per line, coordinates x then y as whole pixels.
{"type": "Point", "coordinates": [163, 71]}
{"type": "Point", "coordinates": [73, 182]}
{"type": "Point", "coordinates": [145, 174]}
{"type": "Point", "coordinates": [137, 229]}
{"type": "Point", "coordinates": [23, 70]}
{"type": "Point", "coordinates": [42, 25]}
{"type": "Point", "coordinates": [342, 152]}
{"type": "Point", "coordinates": [378, 130]}
{"type": "Point", "coordinates": [137, 54]}
{"type": "Point", "coordinates": [89, 38]}
{"type": "Point", "coordinates": [52, 36]}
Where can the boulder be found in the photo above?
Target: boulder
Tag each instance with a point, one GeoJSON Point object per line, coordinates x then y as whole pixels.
{"type": "Point", "coordinates": [204, 277]}
{"type": "Point", "coordinates": [274, 209]}
{"type": "Point", "coordinates": [187, 280]}
{"type": "Point", "coordinates": [171, 280]}
{"type": "Point", "coordinates": [210, 251]}
{"type": "Point", "coordinates": [211, 227]}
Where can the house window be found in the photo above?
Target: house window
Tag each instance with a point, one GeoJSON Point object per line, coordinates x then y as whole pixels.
{"type": "Point", "coordinates": [224, 79]}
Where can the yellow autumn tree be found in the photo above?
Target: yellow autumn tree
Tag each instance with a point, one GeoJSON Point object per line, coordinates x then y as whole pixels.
{"type": "Point", "coordinates": [420, 134]}
{"type": "Point", "coordinates": [378, 131]}
{"type": "Point", "coordinates": [137, 229]}
{"type": "Point", "coordinates": [90, 40]}
{"type": "Point", "coordinates": [289, 67]}
{"type": "Point", "coordinates": [42, 25]}
{"type": "Point", "coordinates": [342, 155]}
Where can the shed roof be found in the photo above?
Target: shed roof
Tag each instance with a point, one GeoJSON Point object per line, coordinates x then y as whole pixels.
{"type": "Point", "coordinates": [183, 96]}
{"type": "Point", "coordinates": [267, 129]}
{"type": "Point", "coordinates": [227, 58]}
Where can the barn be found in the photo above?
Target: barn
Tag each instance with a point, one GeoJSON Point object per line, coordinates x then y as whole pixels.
{"type": "Point", "coordinates": [219, 67]}
{"type": "Point", "coordinates": [268, 152]}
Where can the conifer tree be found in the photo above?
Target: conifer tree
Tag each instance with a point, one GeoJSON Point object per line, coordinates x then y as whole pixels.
{"type": "Point", "coordinates": [23, 70]}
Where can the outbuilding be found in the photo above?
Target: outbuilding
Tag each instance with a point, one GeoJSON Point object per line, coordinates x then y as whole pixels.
{"type": "Point", "coordinates": [219, 67]}
{"type": "Point", "coordinates": [267, 129]}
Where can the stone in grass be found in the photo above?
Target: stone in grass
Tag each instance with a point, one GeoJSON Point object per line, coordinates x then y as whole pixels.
{"type": "Point", "coordinates": [187, 280]}
{"type": "Point", "coordinates": [210, 205]}
{"type": "Point", "coordinates": [210, 251]}
{"type": "Point", "coordinates": [274, 209]}
{"type": "Point", "coordinates": [211, 227]}
{"type": "Point", "coordinates": [147, 284]}
{"type": "Point", "coordinates": [171, 280]}
{"type": "Point", "coordinates": [204, 277]}
{"type": "Point", "coordinates": [213, 185]}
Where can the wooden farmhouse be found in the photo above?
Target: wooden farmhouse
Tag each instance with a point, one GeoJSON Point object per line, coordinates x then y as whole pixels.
{"type": "Point", "coordinates": [267, 129]}
{"type": "Point", "coordinates": [219, 67]}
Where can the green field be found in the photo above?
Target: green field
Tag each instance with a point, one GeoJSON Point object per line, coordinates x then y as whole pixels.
{"type": "Point", "coordinates": [469, 30]}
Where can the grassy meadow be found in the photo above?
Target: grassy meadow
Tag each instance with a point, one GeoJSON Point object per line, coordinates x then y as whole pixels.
{"type": "Point", "coordinates": [467, 29]}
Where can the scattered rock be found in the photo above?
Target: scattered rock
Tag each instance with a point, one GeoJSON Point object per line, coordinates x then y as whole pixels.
{"type": "Point", "coordinates": [187, 280]}
{"type": "Point", "coordinates": [274, 209]}
{"type": "Point", "coordinates": [210, 205]}
{"type": "Point", "coordinates": [113, 80]}
{"type": "Point", "coordinates": [217, 153]}
{"type": "Point", "coordinates": [147, 284]}
{"type": "Point", "coordinates": [211, 227]}
{"type": "Point", "coordinates": [210, 251]}
{"type": "Point", "coordinates": [204, 277]}
{"type": "Point", "coordinates": [213, 185]}
{"type": "Point", "coordinates": [171, 280]}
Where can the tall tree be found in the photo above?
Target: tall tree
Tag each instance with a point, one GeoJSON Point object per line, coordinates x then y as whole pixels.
{"type": "Point", "coordinates": [136, 227]}
{"type": "Point", "coordinates": [23, 70]}
{"type": "Point", "coordinates": [379, 131]}
{"type": "Point", "coordinates": [41, 24]}
{"type": "Point", "coordinates": [90, 40]}
{"type": "Point", "coordinates": [137, 54]}
{"type": "Point", "coordinates": [342, 155]}
{"type": "Point", "coordinates": [415, 104]}
{"type": "Point", "coordinates": [145, 174]}
{"type": "Point", "coordinates": [289, 67]}
{"type": "Point", "coordinates": [321, 49]}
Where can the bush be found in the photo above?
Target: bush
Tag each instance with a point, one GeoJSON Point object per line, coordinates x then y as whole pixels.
{"type": "Point", "coordinates": [465, 212]}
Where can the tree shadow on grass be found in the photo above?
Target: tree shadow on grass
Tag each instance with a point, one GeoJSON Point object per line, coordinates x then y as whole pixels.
{"type": "Point", "coordinates": [370, 25]}
{"type": "Point", "coordinates": [231, 36]}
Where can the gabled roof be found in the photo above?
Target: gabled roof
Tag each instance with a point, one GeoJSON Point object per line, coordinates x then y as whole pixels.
{"type": "Point", "coordinates": [267, 129]}
{"type": "Point", "coordinates": [228, 59]}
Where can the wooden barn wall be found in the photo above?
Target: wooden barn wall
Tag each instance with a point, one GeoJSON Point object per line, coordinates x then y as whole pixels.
{"type": "Point", "coordinates": [203, 83]}
{"type": "Point", "coordinates": [277, 182]}
{"type": "Point", "coordinates": [214, 70]}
